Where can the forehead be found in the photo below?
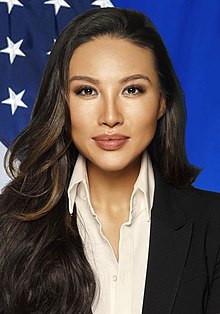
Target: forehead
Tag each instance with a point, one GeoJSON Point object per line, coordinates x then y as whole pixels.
{"type": "Point", "coordinates": [111, 56]}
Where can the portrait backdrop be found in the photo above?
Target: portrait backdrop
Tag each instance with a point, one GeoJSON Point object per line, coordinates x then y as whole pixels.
{"type": "Point", "coordinates": [189, 28]}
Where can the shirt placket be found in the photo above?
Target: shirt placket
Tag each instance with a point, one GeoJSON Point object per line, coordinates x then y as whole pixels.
{"type": "Point", "coordinates": [124, 278]}
{"type": "Point", "coordinates": [113, 289]}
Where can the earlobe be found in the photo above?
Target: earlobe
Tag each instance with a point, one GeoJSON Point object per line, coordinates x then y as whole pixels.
{"type": "Point", "coordinates": [162, 108]}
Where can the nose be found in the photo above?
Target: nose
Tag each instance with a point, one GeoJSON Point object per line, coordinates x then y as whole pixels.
{"type": "Point", "coordinates": [110, 113]}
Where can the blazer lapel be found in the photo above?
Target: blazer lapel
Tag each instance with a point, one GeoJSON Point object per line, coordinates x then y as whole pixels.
{"type": "Point", "coordinates": [169, 244]}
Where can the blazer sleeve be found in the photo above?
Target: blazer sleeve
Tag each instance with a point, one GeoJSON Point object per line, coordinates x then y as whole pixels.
{"type": "Point", "coordinates": [213, 252]}
{"type": "Point", "coordinates": [214, 296]}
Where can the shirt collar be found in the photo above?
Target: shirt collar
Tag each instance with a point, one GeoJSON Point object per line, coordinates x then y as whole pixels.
{"type": "Point", "coordinates": [143, 187]}
{"type": "Point", "coordinates": [79, 175]}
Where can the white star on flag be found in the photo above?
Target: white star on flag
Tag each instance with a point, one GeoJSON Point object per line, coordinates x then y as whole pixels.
{"type": "Point", "coordinates": [57, 4]}
{"type": "Point", "coordinates": [15, 100]}
{"type": "Point", "coordinates": [11, 3]}
{"type": "Point", "coordinates": [103, 3]}
{"type": "Point", "coordinates": [13, 49]}
{"type": "Point", "coordinates": [48, 53]}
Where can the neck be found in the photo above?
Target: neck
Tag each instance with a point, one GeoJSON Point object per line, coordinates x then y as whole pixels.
{"type": "Point", "coordinates": [110, 191]}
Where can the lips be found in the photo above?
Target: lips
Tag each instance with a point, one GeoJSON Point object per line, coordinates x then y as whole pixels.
{"type": "Point", "coordinates": [110, 142]}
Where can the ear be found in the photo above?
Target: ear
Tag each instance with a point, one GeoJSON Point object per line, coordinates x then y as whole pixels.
{"type": "Point", "coordinates": [162, 108]}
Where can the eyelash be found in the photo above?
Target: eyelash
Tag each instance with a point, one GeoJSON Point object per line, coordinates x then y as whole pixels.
{"type": "Point", "coordinates": [81, 90]}
{"type": "Point", "coordinates": [140, 89]}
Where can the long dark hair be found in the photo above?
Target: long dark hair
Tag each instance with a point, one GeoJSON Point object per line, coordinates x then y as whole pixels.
{"type": "Point", "coordinates": [43, 267]}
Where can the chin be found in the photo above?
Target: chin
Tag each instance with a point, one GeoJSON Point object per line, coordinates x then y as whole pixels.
{"type": "Point", "coordinates": [111, 164]}
{"type": "Point", "coordinates": [111, 168]}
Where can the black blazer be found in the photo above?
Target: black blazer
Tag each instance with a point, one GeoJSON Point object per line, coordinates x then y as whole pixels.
{"type": "Point", "coordinates": [183, 275]}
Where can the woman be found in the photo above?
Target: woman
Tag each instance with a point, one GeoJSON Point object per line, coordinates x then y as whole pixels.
{"type": "Point", "coordinates": [101, 215]}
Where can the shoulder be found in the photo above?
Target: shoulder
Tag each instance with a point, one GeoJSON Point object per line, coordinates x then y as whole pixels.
{"type": "Point", "coordinates": [187, 203]}
{"type": "Point", "coordinates": [198, 194]}
{"type": "Point", "coordinates": [197, 202]}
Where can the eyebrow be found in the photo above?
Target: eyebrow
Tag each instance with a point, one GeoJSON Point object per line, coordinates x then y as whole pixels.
{"type": "Point", "coordinates": [96, 81]}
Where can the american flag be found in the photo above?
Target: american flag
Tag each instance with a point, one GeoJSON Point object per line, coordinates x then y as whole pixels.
{"type": "Point", "coordinates": [191, 30]}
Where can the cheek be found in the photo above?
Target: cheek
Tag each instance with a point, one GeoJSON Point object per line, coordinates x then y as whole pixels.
{"type": "Point", "coordinates": [77, 123]}
{"type": "Point", "coordinates": [146, 121]}
{"type": "Point", "coordinates": [82, 126]}
{"type": "Point", "coordinates": [145, 132]}
{"type": "Point", "coordinates": [79, 117]}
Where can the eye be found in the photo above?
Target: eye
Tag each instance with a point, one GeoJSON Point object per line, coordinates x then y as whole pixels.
{"type": "Point", "coordinates": [133, 90]}
{"type": "Point", "coordinates": [86, 91]}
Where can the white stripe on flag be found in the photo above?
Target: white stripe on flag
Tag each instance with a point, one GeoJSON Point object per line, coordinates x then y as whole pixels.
{"type": "Point", "coordinates": [3, 176]}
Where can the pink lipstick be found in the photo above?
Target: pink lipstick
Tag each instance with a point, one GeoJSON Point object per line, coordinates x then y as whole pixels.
{"type": "Point", "coordinates": [110, 142]}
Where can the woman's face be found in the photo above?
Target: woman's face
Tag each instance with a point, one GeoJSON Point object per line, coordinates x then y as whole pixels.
{"type": "Point", "coordinates": [114, 100]}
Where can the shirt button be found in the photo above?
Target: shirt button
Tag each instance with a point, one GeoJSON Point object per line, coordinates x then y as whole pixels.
{"type": "Point", "coordinates": [114, 278]}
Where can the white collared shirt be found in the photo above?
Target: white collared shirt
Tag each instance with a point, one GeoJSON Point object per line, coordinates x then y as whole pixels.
{"type": "Point", "coordinates": [120, 284]}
